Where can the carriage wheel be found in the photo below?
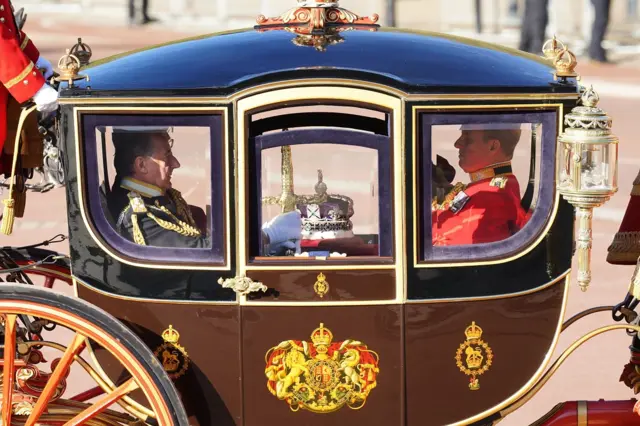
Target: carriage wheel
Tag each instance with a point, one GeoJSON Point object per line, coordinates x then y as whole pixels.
{"type": "Point", "coordinates": [34, 321]}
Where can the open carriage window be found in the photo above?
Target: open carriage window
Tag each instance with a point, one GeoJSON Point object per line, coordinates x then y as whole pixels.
{"type": "Point", "coordinates": [154, 195]}
{"type": "Point", "coordinates": [320, 183]}
{"type": "Point", "coordinates": [486, 186]}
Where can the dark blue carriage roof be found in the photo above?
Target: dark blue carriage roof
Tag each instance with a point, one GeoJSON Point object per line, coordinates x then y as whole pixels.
{"type": "Point", "coordinates": [418, 62]}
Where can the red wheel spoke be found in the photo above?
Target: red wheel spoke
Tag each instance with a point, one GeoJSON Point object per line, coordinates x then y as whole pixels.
{"type": "Point", "coordinates": [87, 395]}
{"type": "Point", "coordinates": [76, 346]}
{"type": "Point", "coordinates": [103, 403]}
{"type": "Point", "coordinates": [7, 369]}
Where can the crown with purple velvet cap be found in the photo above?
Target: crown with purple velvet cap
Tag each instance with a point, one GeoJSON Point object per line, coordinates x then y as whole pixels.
{"type": "Point", "coordinates": [324, 215]}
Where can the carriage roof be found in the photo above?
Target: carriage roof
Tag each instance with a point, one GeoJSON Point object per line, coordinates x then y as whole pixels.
{"type": "Point", "coordinates": [415, 62]}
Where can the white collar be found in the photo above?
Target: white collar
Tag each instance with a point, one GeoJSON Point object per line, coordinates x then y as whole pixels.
{"type": "Point", "coordinates": [145, 189]}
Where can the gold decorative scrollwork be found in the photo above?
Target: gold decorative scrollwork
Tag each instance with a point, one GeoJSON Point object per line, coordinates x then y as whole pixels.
{"type": "Point", "coordinates": [474, 357]}
{"type": "Point", "coordinates": [242, 285]}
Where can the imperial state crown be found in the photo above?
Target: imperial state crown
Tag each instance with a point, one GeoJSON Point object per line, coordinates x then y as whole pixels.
{"type": "Point", "coordinates": [329, 218]}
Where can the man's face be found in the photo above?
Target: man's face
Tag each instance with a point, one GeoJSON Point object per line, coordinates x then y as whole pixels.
{"type": "Point", "coordinates": [474, 153]}
{"type": "Point", "coordinates": [158, 167]}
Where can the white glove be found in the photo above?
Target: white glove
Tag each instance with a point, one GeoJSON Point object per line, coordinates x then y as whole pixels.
{"type": "Point", "coordinates": [284, 227]}
{"type": "Point", "coordinates": [46, 99]}
{"type": "Point", "coordinates": [43, 64]}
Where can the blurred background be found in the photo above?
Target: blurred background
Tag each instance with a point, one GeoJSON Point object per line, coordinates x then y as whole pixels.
{"type": "Point", "coordinates": [591, 373]}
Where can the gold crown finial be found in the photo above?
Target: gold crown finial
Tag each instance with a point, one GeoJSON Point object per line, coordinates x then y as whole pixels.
{"type": "Point", "coordinates": [473, 332]}
{"type": "Point", "coordinates": [321, 336]}
{"type": "Point", "coordinates": [69, 65]}
{"type": "Point", "coordinates": [565, 63]}
{"type": "Point", "coordinates": [171, 335]}
{"type": "Point", "coordinates": [552, 48]}
{"type": "Point", "coordinates": [82, 51]}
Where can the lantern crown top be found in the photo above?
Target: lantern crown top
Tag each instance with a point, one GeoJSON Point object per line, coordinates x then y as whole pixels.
{"type": "Point", "coordinates": [588, 117]}
{"type": "Point", "coordinates": [590, 98]}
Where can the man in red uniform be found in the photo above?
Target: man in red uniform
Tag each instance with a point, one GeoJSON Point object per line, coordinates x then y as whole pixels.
{"type": "Point", "coordinates": [488, 208]}
{"type": "Point", "coordinates": [20, 78]}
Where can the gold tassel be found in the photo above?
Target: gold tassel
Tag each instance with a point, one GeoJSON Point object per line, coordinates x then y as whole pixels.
{"type": "Point", "coordinates": [7, 217]}
{"type": "Point", "coordinates": [8, 214]}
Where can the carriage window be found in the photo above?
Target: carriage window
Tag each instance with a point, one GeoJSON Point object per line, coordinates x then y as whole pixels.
{"type": "Point", "coordinates": [154, 185]}
{"type": "Point", "coordinates": [322, 194]}
{"type": "Point", "coordinates": [481, 190]}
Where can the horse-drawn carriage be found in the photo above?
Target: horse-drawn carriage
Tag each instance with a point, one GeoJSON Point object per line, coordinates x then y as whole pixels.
{"type": "Point", "coordinates": [317, 262]}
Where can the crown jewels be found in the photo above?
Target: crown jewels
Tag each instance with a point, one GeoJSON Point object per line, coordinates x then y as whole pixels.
{"type": "Point", "coordinates": [473, 332]}
{"type": "Point", "coordinates": [321, 336]}
{"type": "Point", "coordinates": [325, 216]}
{"type": "Point", "coordinates": [171, 335]}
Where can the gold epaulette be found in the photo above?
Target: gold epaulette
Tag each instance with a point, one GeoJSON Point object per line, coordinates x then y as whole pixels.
{"type": "Point", "coordinates": [136, 202]}
{"type": "Point", "coordinates": [446, 203]}
{"type": "Point", "coordinates": [138, 206]}
{"type": "Point", "coordinates": [499, 181]}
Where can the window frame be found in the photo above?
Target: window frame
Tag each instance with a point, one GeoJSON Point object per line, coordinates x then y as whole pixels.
{"type": "Point", "coordinates": [328, 135]}
{"type": "Point", "coordinates": [427, 255]}
{"type": "Point", "coordinates": [215, 257]}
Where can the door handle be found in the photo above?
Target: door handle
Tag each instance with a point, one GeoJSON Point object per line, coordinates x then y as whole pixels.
{"type": "Point", "coordinates": [242, 285]}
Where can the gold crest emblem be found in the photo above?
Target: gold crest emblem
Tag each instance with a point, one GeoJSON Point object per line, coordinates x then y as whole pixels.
{"type": "Point", "coordinates": [321, 286]}
{"type": "Point", "coordinates": [322, 376]}
{"type": "Point", "coordinates": [474, 357]}
{"type": "Point", "coordinates": [173, 356]}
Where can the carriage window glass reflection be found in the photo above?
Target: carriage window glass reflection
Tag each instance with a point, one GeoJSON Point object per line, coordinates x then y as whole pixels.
{"type": "Point", "coordinates": [482, 181]}
{"type": "Point", "coordinates": [155, 184]}
{"type": "Point", "coordinates": [322, 200]}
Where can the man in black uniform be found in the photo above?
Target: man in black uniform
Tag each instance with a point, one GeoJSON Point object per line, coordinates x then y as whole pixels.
{"type": "Point", "coordinates": [147, 209]}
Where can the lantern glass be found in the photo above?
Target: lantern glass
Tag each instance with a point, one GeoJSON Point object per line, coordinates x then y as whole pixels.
{"type": "Point", "coordinates": [588, 167]}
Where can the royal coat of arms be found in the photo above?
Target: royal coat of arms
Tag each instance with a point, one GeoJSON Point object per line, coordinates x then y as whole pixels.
{"type": "Point", "coordinates": [321, 376]}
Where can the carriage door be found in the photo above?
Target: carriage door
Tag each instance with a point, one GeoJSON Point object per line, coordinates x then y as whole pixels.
{"type": "Point", "coordinates": [321, 320]}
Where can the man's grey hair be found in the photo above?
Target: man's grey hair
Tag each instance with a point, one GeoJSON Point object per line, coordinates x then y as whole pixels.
{"type": "Point", "coordinates": [129, 146]}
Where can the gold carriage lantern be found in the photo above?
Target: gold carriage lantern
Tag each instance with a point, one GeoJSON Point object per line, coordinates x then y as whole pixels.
{"type": "Point", "coordinates": [588, 171]}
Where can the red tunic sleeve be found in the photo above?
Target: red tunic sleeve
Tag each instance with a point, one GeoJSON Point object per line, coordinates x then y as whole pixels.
{"type": "Point", "coordinates": [17, 70]}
